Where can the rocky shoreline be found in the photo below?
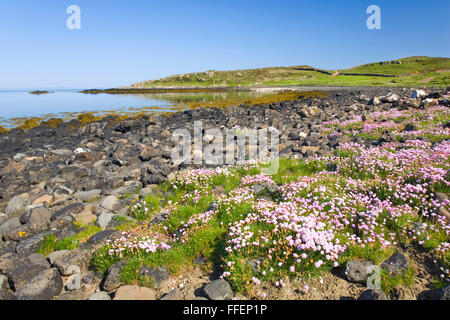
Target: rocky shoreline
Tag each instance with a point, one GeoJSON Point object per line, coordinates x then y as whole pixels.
{"type": "Point", "coordinates": [52, 179]}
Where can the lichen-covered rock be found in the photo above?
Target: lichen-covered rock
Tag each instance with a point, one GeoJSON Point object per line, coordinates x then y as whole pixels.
{"type": "Point", "coordinates": [43, 286]}
{"type": "Point", "coordinates": [218, 290]}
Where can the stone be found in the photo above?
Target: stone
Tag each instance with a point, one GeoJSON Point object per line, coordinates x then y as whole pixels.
{"type": "Point", "coordinates": [18, 234]}
{"type": "Point", "coordinates": [104, 219]}
{"type": "Point", "coordinates": [445, 293]}
{"type": "Point", "coordinates": [375, 101]}
{"type": "Point", "coordinates": [65, 153]}
{"type": "Point", "coordinates": [43, 286]}
{"type": "Point", "coordinates": [157, 276]}
{"type": "Point", "coordinates": [73, 295]}
{"type": "Point", "coordinates": [85, 217]}
{"type": "Point", "coordinates": [17, 205]}
{"type": "Point", "coordinates": [148, 153]}
{"type": "Point", "coordinates": [66, 260]}
{"type": "Point", "coordinates": [4, 282]}
{"type": "Point", "coordinates": [10, 225]}
{"type": "Point", "coordinates": [24, 273]}
{"type": "Point", "coordinates": [172, 295]}
{"type": "Point", "coordinates": [38, 259]}
{"type": "Point", "coordinates": [46, 198]}
{"type": "Point", "coordinates": [3, 218]}
{"type": "Point", "coordinates": [409, 103]}
{"type": "Point", "coordinates": [102, 236]}
{"type": "Point", "coordinates": [31, 244]}
{"type": "Point", "coordinates": [87, 195]}
{"type": "Point", "coordinates": [110, 203]}
{"type": "Point", "coordinates": [6, 295]}
{"type": "Point", "coordinates": [373, 294]}
{"type": "Point", "coordinates": [390, 98]}
{"type": "Point", "coordinates": [19, 156]}
{"type": "Point", "coordinates": [112, 280]}
{"type": "Point", "coordinates": [418, 94]}
{"type": "Point", "coordinates": [53, 256]}
{"type": "Point", "coordinates": [8, 262]}
{"type": "Point", "coordinates": [88, 277]}
{"type": "Point", "coordinates": [37, 216]}
{"type": "Point", "coordinates": [396, 264]}
{"type": "Point", "coordinates": [218, 290]}
{"type": "Point", "coordinates": [70, 209]}
{"type": "Point", "coordinates": [358, 271]}
{"type": "Point", "coordinates": [101, 295]}
{"type": "Point", "coordinates": [134, 293]}
{"type": "Point", "coordinates": [410, 127]}
{"type": "Point", "coordinates": [306, 149]}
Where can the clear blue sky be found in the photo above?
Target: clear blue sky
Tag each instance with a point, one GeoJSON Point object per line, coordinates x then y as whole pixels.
{"type": "Point", "coordinates": [121, 42]}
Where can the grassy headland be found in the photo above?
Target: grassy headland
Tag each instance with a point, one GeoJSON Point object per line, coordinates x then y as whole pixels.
{"type": "Point", "coordinates": [412, 71]}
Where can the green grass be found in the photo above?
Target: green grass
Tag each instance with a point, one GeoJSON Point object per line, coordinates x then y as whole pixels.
{"type": "Point", "coordinates": [51, 244]}
{"type": "Point", "coordinates": [412, 71]}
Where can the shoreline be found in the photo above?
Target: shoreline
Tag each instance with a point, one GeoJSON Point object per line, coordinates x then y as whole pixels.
{"type": "Point", "coordinates": [91, 174]}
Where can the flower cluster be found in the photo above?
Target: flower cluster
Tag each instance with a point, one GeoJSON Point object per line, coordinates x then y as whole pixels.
{"type": "Point", "coordinates": [129, 245]}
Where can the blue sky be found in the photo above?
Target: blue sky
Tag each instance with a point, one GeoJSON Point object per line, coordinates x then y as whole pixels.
{"type": "Point", "coordinates": [121, 42]}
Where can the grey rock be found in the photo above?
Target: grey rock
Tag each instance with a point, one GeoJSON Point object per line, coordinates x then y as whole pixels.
{"type": "Point", "coordinates": [24, 273]}
{"type": "Point", "coordinates": [73, 295]}
{"type": "Point", "coordinates": [65, 261]}
{"type": "Point", "coordinates": [101, 295]}
{"type": "Point", "coordinates": [158, 276]}
{"type": "Point", "coordinates": [87, 195]}
{"type": "Point", "coordinates": [62, 152]}
{"type": "Point", "coordinates": [44, 286]}
{"type": "Point", "coordinates": [8, 262]}
{"type": "Point", "coordinates": [10, 225]}
{"type": "Point", "coordinates": [373, 294]}
{"type": "Point", "coordinates": [130, 188]}
{"type": "Point", "coordinates": [4, 282]}
{"type": "Point", "coordinates": [358, 271]}
{"type": "Point", "coordinates": [31, 244]}
{"type": "Point", "coordinates": [112, 280]}
{"type": "Point", "coordinates": [6, 295]}
{"type": "Point", "coordinates": [3, 218]}
{"type": "Point", "coordinates": [110, 203]}
{"type": "Point", "coordinates": [88, 278]}
{"type": "Point", "coordinates": [396, 264]}
{"type": "Point", "coordinates": [16, 205]}
{"type": "Point", "coordinates": [104, 219]}
{"type": "Point", "coordinates": [70, 209]}
{"type": "Point", "coordinates": [172, 295]}
{"type": "Point", "coordinates": [37, 216]}
{"type": "Point", "coordinates": [218, 290]}
{"type": "Point", "coordinates": [101, 237]}
{"type": "Point", "coordinates": [445, 293]}
{"type": "Point", "coordinates": [38, 259]}
{"type": "Point", "coordinates": [55, 255]}
{"type": "Point", "coordinates": [19, 156]}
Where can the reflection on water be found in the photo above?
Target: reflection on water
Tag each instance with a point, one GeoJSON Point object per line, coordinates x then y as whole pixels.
{"type": "Point", "coordinates": [16, 105]}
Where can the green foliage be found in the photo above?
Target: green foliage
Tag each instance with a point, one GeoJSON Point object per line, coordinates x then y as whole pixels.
{"type": "Point", "coordinates": [51, 244]}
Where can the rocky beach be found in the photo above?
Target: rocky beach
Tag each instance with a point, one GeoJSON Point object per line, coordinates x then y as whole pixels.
{"type": "Point", "coordinates": [76, 196]}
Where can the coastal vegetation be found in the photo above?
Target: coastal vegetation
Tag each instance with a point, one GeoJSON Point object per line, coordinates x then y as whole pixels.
{"type": "Point", "coordinates": [412, 71]}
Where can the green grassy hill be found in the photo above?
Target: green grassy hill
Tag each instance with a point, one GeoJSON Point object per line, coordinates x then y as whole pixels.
{"type": "Point", "coordinates": [412, 71]}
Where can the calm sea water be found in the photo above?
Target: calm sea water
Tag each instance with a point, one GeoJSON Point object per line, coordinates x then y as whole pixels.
{"type": "Point", "coordinates": [64, 103]}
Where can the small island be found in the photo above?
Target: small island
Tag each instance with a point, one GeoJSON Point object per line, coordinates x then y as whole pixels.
{"type": "Point", "coordinates": [39, 92]}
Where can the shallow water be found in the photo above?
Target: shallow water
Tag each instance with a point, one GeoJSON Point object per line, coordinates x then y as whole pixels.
{"type": "Point", "coordinates": [18, 104]}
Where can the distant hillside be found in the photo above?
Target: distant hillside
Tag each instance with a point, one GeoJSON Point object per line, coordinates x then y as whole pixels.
{"type": "Point", "coordinates": [412, 71]}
